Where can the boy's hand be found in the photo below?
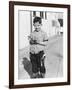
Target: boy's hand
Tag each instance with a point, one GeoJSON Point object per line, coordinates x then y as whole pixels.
{"type": "Point", "coordinates": [33, 41]}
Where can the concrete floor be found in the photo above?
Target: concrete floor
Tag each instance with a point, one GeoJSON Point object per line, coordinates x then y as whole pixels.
{"type": "Point", "coordinates": [53, 60]}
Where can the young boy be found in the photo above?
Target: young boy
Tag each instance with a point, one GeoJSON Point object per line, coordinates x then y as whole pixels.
{"type": "Point", "coordinates": [38, 40]}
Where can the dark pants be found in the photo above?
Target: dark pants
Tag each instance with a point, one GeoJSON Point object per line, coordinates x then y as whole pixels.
{"type": "Point", "coordinates": [36, 60]}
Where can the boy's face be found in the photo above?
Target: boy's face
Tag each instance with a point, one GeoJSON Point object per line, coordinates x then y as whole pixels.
{"type": "Point", "coordinates": [37, 26]}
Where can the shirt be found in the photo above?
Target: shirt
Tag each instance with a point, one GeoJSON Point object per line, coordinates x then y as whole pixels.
{"type": "Point", "coordinates": [39, 36]}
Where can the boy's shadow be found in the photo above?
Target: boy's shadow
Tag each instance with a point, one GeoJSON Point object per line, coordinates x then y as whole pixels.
{"type": "Point", "coordinates": [27, 66]}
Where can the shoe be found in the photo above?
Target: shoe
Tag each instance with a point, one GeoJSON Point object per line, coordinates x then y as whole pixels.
{"type": "Point", "coordinates": [35, 75]}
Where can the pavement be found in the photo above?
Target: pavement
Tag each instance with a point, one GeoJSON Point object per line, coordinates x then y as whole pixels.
{"type": "Point", "coordinates": [53, 60]}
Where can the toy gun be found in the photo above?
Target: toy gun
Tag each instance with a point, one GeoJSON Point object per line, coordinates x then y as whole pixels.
{"type": "Point", "coordinates": [32, 42]}
{"type": "Point", "coordinates": [42, 60]}
{"type": "Point", "coordinates": [42, 64]}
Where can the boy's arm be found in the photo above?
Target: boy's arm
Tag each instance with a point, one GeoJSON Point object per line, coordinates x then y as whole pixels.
{"type": "Point", "coordinates": [43, 43]}
{"type": "Point", "coordinates": [31, 41]}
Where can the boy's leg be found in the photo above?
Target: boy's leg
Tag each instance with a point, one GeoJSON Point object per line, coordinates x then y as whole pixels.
{"type": "Point", "coordinates": [34, 65]}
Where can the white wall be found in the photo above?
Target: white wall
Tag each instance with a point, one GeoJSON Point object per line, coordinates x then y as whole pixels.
{"type": "Point", "coordinates": [24, 28]}
{"type": "Point", "coordinates": [47, 24]}
{"type": "Point", "coordinates": [4, 46]}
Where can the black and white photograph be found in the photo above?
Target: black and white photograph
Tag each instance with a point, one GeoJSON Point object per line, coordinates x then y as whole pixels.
{"type": "Point", "coordinates": [40, 44]}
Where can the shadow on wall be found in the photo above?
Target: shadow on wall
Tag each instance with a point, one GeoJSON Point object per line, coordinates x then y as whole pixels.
{"type": "Point", "coordinates": [24, 52]}
{"type": "Point", "coordinates": [27, 66]}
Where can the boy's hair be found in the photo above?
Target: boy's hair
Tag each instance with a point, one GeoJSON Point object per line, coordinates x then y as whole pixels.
{"type": "Point", "coordinates": [37, 19]}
